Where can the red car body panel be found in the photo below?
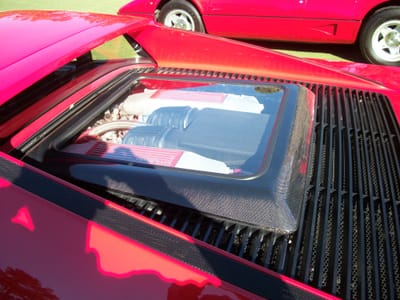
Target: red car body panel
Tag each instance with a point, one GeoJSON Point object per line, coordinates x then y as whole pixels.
{"type": "Point", "coordinates": [25, 65]}
{"type": "Point", "coordinates": [49, 251]}
{"type": "Point", "coordinates": [387, 76]}
{"type": "Point", "coordinates": [303, 31]}
{"type": "Point", "coordinates": [259, 60]}
{"type": "Point", "coordinates": [254, 62]}
{"type": "Point", "coordinates": [110, 265]}
{"type": "Point", "coordinates": [288, 20]}
{"type": "Point", "coordinates": [70, 43]}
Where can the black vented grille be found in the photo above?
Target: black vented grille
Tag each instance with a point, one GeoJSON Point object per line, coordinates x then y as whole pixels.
{"type": "Point", "coordinates": [348, 242]}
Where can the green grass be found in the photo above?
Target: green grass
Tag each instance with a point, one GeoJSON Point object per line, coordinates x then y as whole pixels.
{"type": "Point", "coordinates": [112, 6]}
{"type": "Point", "coordinates": [103, 6]}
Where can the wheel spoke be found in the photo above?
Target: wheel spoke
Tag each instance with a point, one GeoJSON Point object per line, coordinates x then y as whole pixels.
{"type": "Point", "coordinates": [174, 19]}
{"type": "Point", "coordinates": [189, 25]}
{"type": "Point", "coordinates": [180, 14]}
{"type": "Point", "coordinates": [385, 30]}
{"type": "Point", "coordinates": [382, 44]}
{"type": "Point", "coordinates": [394, 51]}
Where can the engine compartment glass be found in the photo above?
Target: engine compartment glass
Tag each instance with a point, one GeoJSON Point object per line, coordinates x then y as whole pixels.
{"type": "Point", "coordinates": [237, 150]}
{"type": "Point", "coordinates": [220, 128]}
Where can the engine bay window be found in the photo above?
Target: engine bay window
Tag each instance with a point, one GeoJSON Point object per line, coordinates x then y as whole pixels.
{"type": "Point", "coordinates": [203, 144]}
{"type": "Point", "coordinates": [219, 128]}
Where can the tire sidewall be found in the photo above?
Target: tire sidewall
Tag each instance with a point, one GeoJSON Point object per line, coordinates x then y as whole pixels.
{"type": "Point", "coordinates": [182, 5]}
{"type": "Point", "coordinates": [368, 30]}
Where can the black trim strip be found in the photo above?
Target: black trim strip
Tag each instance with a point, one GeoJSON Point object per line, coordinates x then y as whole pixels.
{"type": "Point", "coordinates": [231, 271]}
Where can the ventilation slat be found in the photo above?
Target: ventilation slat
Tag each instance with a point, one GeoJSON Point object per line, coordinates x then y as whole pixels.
{"type": "Point", "coordinates": [391, 159]}
{"type": "Point", "coordinates": [310, 242]}
{"type": "Point", "coordinates": [369, 169]}
{"type": "Point", "coordinates": [336, 265]}
{"type": "Point", "coordinates": [353, 162]}
{"type": "Point", "coordinates": [326, 229]}
{"type": "Point", "coordinates": [384, 193]}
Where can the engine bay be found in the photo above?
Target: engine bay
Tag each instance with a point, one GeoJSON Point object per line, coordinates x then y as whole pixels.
{"type": "Point", "coordinates": [230, 149]}
{"type": "Point", "coordinates": [192, 128]}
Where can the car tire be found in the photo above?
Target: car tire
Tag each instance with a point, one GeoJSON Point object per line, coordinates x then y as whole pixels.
{"type": "Point", "coordinates": [379, 38]}
{"type": "Point", "coordinates": [181, 14]}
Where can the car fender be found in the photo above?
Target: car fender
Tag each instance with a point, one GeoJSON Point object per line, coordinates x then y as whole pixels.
{"type": "Point", "coordinates": [140, 7]}
{"type": "Point", "coordinates": [148, 8]}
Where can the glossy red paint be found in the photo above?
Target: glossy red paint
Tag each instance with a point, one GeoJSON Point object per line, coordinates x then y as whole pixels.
{"type": "Point", "coordinates": [384, 75]}
{"type": "Point", "coordinates": [207, 52]}
{"type": "Point", "coordinates": [68, 36]}
{"type": "Point", "coordinates": [55, 253]}
{"type": "Point", "coordinates": [210, 52]}
{"type": "Point", "coordinates": [201, 244]}
{"type": "Point", "coordinates": [304, 30]}
{"type": "Point", "coordinates": [103, 242]}
{"type": "Point", "coordinates": [39, 233]}
{"type": "Point", "coordinates": [110, 265]}
{"type": "Point", "coordinates": [288, 20]}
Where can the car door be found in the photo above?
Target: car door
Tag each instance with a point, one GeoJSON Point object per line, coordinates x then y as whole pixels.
{"type": "Point", "coordinates": [293, 20]}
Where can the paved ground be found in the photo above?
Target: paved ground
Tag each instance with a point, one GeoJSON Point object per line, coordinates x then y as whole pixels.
{"type": "Point", "coordinates": [330, 52]}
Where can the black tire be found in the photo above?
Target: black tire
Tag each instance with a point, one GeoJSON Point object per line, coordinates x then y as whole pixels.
{"type": "Point", "coordinates": [379, 38]}
{"type": "Point", "coordinates": [181, 14]}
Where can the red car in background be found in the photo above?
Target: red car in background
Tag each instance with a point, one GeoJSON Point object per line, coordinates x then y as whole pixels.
{"type": "Point", "coordinates": [373, 24]}
{"type": "Point", "coordinates": [134, 168]}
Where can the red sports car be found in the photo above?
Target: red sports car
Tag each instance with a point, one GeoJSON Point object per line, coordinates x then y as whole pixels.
{"type": "Point", "coordinates": [129, 169]}
{"type": "Point", "coordinates": [373, 24]}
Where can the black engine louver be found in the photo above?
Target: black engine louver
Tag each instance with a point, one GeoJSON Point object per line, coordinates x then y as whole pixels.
{"type": "Point", "coordinates": [348, 242]}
